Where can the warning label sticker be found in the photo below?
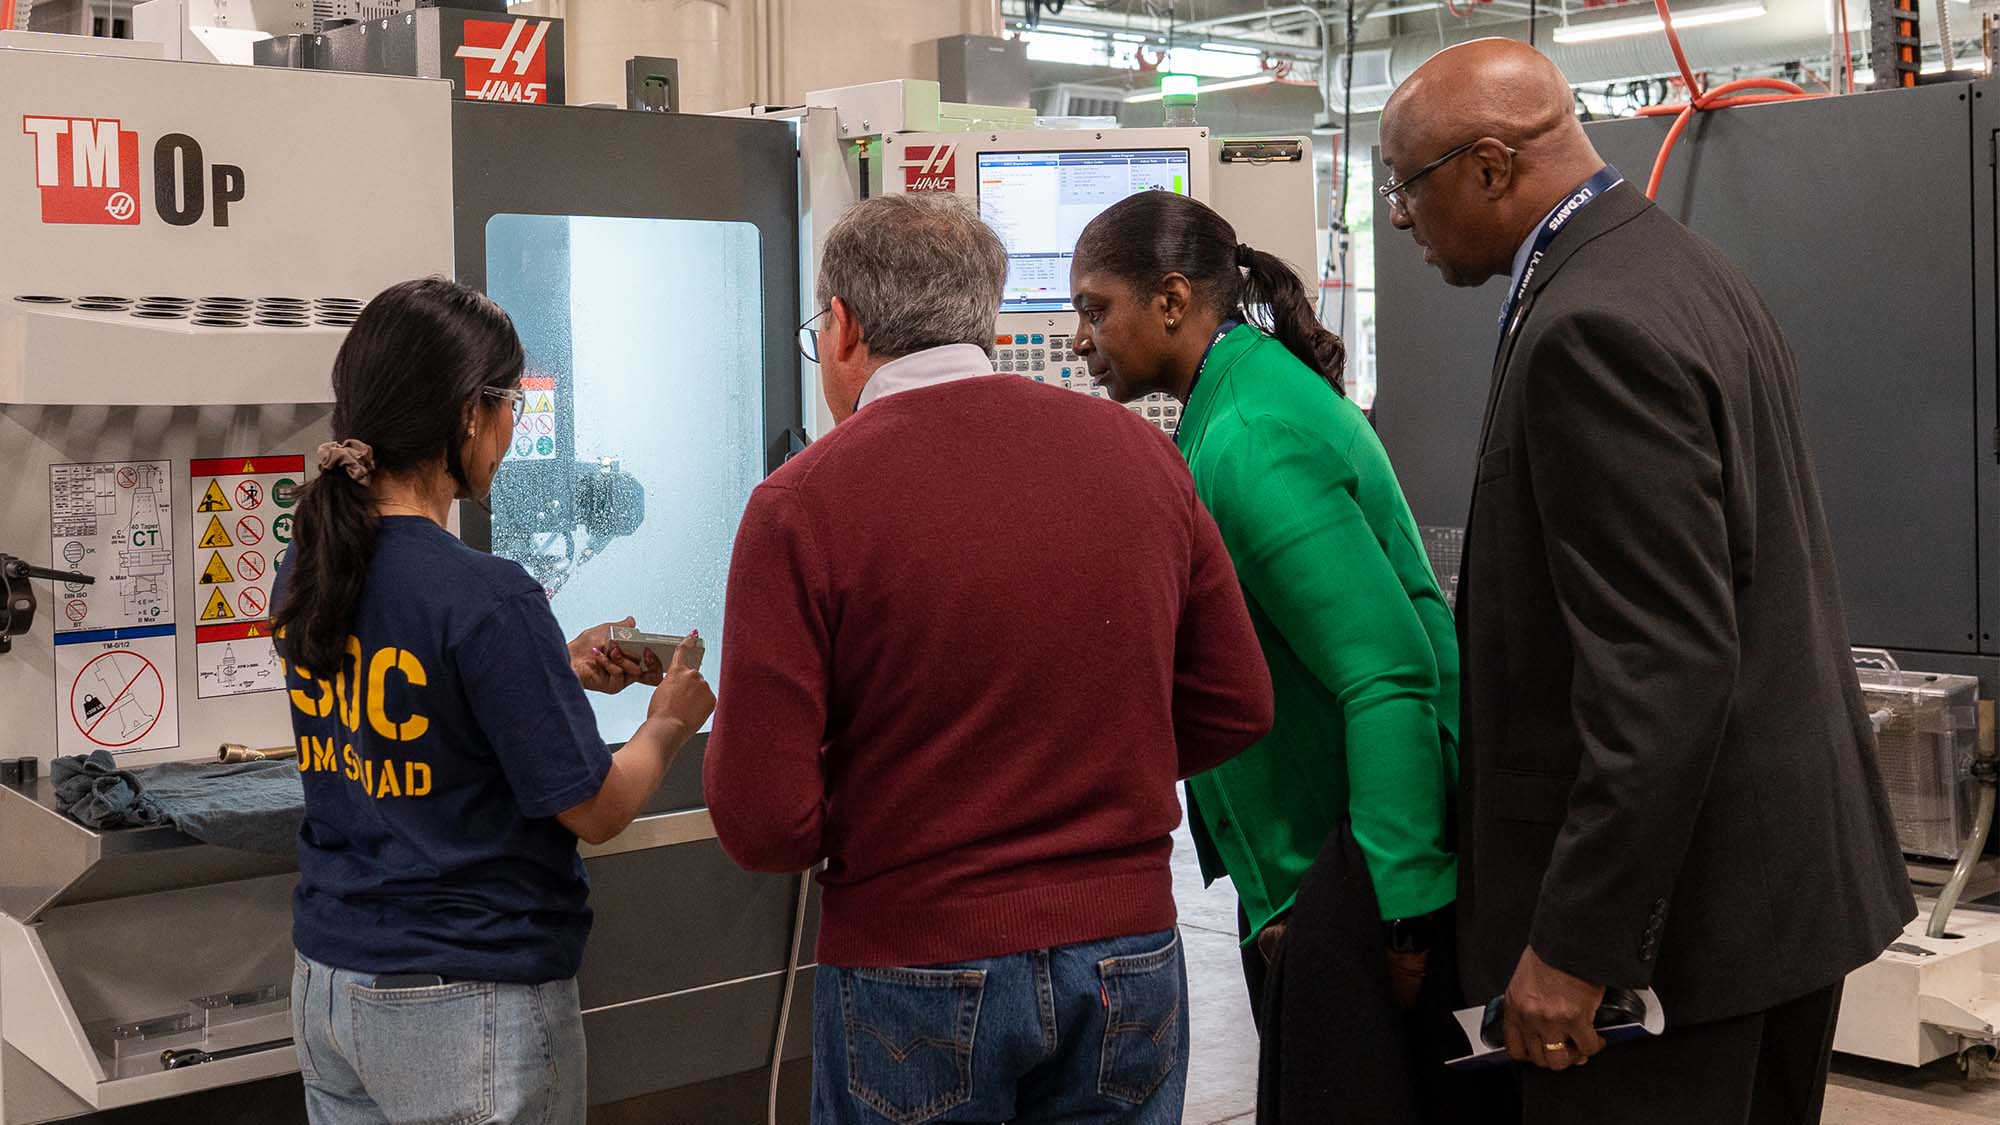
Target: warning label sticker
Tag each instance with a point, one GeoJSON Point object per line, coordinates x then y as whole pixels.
{"type": "Point", "coordinates": [217, 608]}
{"type": "Point", "coordinates": [113, 521]}
{"type": "Point", "coordinates": [115, 690]}
{"type": "Point", "coordinates": [233, 571]}
{"type": "Point", "coordinates": [534, 432]}
{"type": "Point", "coordinates": [213, 500]}
{"type": "Point", "coordinates": [236, 659]}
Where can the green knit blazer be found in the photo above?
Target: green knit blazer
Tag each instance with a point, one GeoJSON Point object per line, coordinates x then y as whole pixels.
{"type": "Point", "coordinates": [1361, 645]}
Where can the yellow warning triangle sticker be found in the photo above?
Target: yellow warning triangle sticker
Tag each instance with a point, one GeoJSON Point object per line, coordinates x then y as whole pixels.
{"type": "Point", "coordinates": [215, 537]}
{"type": "Point", "coordinates": [254, 632]}
{"type": "Point", "coordinates": [218, 607]}
{"type": "Point", "coordinates": [213, 500]}
{"type": "Point", "coordinates": [217, 571]}
{"type": "Point", "coordinates": [249, 468]}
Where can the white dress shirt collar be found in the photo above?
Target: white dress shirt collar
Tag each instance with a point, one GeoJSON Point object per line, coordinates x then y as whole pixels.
{"type": "Point", "coordinates": [927, 368]}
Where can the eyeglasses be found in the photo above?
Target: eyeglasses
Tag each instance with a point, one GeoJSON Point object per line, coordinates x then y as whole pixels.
{"type": "Point", "coordinates": [1397, 191]}
{"type": "Point", "coordinates": [809, 336]}
{"type": "Point", "coordinates": [514, 395]}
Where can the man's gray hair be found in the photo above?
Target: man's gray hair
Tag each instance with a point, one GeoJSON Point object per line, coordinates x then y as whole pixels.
{"type": "Point", "coordinates": [919, 271]}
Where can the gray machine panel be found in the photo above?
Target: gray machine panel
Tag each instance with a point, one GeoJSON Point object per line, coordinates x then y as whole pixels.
{"type": "Point", "coordinates": [685, 966]}
{"type": "Point", "coordinates": [722, 923]}
{"type": "Point", "coordinates": [557, 160]}
{"type": "Point", "coordinates": [681, 1042]}
{"type": "Point", "coordinates": [1864, 250]}
{"type": "Point", "coordinates": [1986, 310]}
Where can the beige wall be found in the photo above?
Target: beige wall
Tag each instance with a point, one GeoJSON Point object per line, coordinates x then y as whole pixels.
{"type": "Point", "coordinates": [734, 52]}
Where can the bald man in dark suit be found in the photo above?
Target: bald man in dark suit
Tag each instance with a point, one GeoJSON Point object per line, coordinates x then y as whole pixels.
{"type": "Point", "coordinates": [1669, 778]}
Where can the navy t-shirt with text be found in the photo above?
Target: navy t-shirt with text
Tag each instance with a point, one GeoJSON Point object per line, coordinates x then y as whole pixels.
{"type": "Point", "coordinates": [434, 767]}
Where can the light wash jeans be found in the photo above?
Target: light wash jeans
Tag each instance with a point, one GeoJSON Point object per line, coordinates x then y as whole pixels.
{"type": "Point", "coordinates": [464, 1053]}
{"type": "Point", "coordinates": [1087, 1034]}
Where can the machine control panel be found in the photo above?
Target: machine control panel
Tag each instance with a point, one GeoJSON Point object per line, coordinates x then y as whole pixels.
{"type": "Point", "coordinates": [1052, 359]}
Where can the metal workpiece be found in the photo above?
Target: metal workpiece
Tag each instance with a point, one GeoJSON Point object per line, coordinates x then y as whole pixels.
{"type": "Point", "coordinates": [230, 753]}
{"type": "Point", "coordinates": [48, 860]}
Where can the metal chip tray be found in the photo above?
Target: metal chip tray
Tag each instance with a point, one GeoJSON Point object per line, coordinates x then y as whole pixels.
{"type": "Point", "coordinates": [48, 860]}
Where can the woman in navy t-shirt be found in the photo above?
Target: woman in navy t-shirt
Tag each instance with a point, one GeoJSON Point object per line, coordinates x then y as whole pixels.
{"type": "Point", "coordinates": [450, 759]}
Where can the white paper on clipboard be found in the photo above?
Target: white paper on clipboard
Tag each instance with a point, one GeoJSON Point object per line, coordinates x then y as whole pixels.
{"type": "Point", "coordinates": [1482, 1055]}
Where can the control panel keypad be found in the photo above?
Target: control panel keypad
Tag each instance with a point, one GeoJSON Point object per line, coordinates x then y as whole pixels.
{"type": "Point", "coordinates": [1052, 359]}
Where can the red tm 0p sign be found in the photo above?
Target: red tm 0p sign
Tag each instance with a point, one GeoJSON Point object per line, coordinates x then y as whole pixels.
{"type": "Point", "coordinates": [87, 169]}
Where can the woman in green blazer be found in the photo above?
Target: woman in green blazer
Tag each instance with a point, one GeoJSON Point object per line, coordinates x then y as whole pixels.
{"type": "Point", "coordinates": [1360, 642]}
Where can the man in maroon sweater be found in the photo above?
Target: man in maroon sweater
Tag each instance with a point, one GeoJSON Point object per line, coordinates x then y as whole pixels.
{"type": "Point", "coordinates": [973, 638]}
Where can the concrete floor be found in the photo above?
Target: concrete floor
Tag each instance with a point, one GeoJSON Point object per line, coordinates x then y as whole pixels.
{"type": "Point", "coordinates": [1222, 1068]}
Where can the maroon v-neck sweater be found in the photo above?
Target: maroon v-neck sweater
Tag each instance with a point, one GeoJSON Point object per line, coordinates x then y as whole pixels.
{"type": "Point", "coordinates": [973, 638]}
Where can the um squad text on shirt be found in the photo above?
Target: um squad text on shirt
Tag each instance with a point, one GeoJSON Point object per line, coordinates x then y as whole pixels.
{"type": "Point", "coordinates": [379, 779]}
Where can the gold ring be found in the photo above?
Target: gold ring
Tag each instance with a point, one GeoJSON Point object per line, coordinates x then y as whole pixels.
{"type": "Point", "coordinates": [1555, 1046]}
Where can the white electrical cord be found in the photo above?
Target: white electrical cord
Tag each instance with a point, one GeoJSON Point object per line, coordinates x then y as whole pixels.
{"type": "Point", "coordinates": [1973, 851]}
{"type": "Point", "coordinates": [1944, 36]}
{"type": "Point", "coordinates": [791, 984]}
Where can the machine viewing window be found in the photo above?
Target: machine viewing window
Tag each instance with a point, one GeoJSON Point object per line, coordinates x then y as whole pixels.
{"type": "Point", "coordinates": [1039, 202]}
{"type": "Point", "coordinates": [643, 430]}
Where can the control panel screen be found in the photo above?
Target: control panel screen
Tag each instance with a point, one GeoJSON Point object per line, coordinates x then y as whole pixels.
{"type": "Point", "coordinates": [1039, 203]}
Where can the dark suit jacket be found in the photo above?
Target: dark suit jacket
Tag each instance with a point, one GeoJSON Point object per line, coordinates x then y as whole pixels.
{"type": "Point", "coordinates": [1669, 778]}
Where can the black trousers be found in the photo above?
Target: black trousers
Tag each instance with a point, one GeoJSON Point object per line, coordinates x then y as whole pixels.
{"type": "Point", "coordinates": [1428, 1036]}
{"type": "Point", "coordinates": [1766, 1068]}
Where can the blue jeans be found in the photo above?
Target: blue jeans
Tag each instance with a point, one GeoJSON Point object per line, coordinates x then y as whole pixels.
{"type": "Point", "coordinates": [464, 1053]}
{"type": "Point", "coordinates": [1082, 1034]}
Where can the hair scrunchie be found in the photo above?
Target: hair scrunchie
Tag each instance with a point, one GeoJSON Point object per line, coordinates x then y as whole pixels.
{"type": "Point", "coordinates": [1243, 253]}
{"type": "Point", "coordinates": [353, 456]}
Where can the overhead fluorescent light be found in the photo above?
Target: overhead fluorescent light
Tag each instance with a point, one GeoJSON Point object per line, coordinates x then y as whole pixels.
{"type": "Point", "coordinates": [1128, 37]}
{"type": "Point", "coordinates": [1065, 32]}
{"type": "Point", "coordinates": [1232, 49]}
{"type": "Point", "coordinates": [1592, 30]}
{"type": "Point", "coordinates": [1210, 88]}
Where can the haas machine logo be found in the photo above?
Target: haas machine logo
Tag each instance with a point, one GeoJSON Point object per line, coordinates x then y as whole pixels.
{"type": "Point", "coordinates": [87, 169]}
{"type": "Point", "coordinates": [506, 62]}
{"type": "Point", "coordinates": [930, 168]}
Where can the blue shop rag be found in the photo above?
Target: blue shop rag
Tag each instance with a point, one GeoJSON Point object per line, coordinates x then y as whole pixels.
{"type": "Point", "coordinates": [253, 806]}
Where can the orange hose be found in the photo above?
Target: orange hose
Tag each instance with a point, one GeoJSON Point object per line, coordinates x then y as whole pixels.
{"type": "Point", "coordinates": [1847, 48]}
{"type": "Point", "coordinates": [1680, 55]}
{"type": "Point", "coordinates": [1666, 149]}
{"type": "Point", "coordinates": [1727, 94]}
{"type": "Point", "coordinates": [1786, 91]}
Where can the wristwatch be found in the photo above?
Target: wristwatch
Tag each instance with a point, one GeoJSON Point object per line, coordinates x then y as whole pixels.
{"type": "Point", "coordinates": [1410, 935]}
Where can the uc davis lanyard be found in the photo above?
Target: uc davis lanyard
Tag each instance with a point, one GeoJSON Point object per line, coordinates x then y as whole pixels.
{"type": "Point", "coordinates": [1606, 178]}
{"type": "Point", "coordinates": [1225, 329]}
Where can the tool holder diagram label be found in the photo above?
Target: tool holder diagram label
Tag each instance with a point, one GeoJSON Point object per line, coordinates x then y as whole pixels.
{"type": "Point", "coordinates": [235, 660]}
{"type": "Point", "coordinates": [112, 520]}
{"type": "Point", "coordinates": [242, 521]}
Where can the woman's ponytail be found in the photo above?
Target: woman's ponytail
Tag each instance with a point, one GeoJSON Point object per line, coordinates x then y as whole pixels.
{"type": "Point", "coordinates": [333, 539]}
{"type": "Point", "coordinates": [410, 370]}
{"type": "Point", "coordinates": [1274, 288]}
